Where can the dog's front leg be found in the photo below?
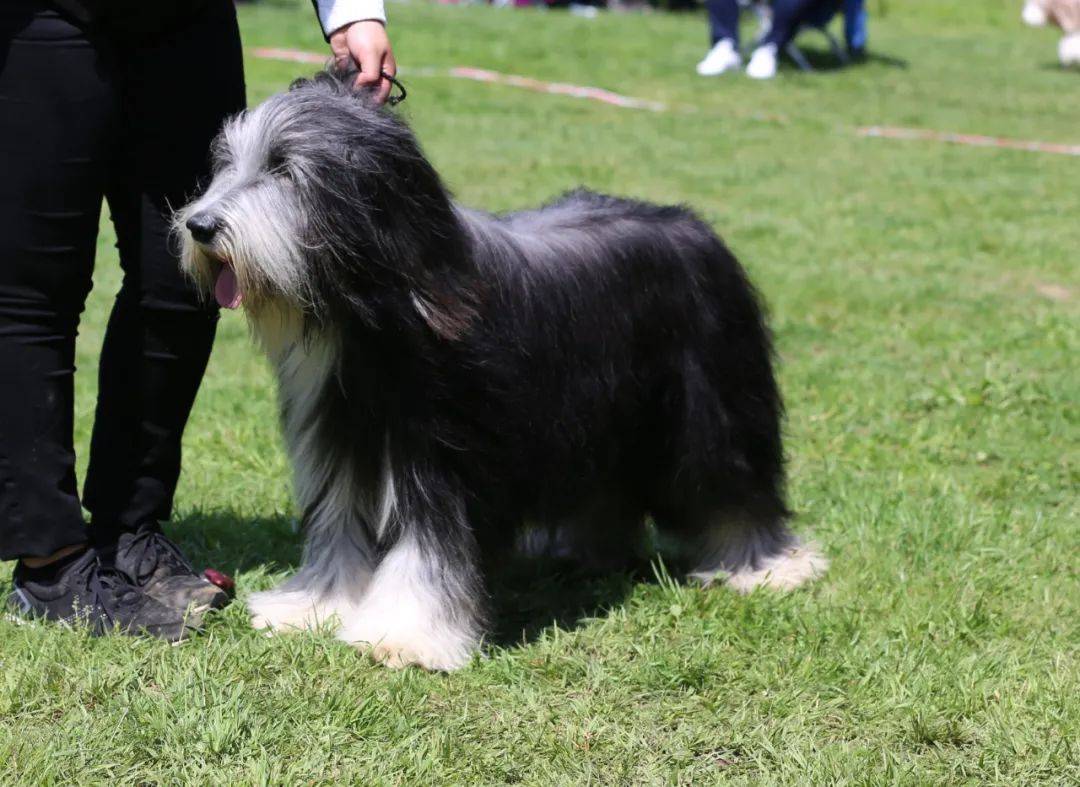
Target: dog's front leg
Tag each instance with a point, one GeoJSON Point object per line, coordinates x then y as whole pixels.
{"type": "Point", "coordinates": [340, 551]}
{"type": "Point", "coordinates": [336, 571]}
{"type": "Point", "coordinates": [424, 603]}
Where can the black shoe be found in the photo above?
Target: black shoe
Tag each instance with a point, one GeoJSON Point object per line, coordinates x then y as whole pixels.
{"type": "Point", "coordinates": [155, 564]}
{"type": "Point", "coordinates": [83, 591]}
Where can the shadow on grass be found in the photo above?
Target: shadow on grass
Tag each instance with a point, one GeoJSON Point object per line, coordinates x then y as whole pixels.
{"type": "Point", "coordinates": [236, 543]}
{"type": "Point", "coordinates": [1058, 68]}
{"type": "Point", "coordinates": [529, 595]}
{"type": "Point", "coordinates": [822, 59]}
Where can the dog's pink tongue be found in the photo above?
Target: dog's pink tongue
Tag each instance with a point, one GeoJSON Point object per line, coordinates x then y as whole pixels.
{"type": "Point", "coordinates": [227, 288]}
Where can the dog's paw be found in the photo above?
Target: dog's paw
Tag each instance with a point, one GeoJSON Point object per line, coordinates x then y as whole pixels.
{"type": "Point", "coordinates": [791, 568]}
{"type": "Point", "coordinates": [443, 652]}
{"type": "Point", "coordinates": [278, 611]}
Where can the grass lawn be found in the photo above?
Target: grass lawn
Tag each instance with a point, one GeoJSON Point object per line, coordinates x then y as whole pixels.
{"type": "Point", "coordinates": [925, 299]}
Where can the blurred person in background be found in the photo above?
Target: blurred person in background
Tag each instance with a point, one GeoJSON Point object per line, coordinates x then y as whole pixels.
{"type": "Point", "coordinates": [789, 15]}
{"type": "Point", "coordinates": [723, 54]}
{"type": "Point", "coordinates": [116, 100]}
{"type": "Point", "coordinates": [782, 20]}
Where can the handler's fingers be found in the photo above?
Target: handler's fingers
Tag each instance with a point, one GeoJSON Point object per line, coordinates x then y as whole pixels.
{"type": "Point", "coordinates": [370, 61]}
{"type": "Point", "coordinates": [385, 86]}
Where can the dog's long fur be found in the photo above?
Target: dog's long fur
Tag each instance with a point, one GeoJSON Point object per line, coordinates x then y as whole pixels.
{"type": "Point", "coordinates": [450, 379]}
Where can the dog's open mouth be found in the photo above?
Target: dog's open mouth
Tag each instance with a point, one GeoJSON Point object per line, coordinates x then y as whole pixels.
{"type": "Point", "coordinates": [227, 287]}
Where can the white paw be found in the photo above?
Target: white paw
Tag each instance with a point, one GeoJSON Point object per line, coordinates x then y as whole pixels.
{"type": "Point", "coordinates": [436, 648]}
{"type": "Point", "coordinates": [793, 567]}
{"type": "Point", "coordinates": [284, 610]}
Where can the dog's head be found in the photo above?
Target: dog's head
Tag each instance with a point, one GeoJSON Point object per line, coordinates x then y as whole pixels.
{"type": "Point", "coordinates": [320, 201]}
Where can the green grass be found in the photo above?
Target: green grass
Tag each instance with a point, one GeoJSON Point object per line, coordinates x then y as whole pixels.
{"type": "Point", "coordinates": [933, 394]}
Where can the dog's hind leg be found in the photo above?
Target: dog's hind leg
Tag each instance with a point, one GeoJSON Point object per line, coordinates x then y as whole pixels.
{"type": "Point", "coordinates": [718, 501]}
{"type": "Point", "coordinates": [424, 604]}
{"type": "Point", "coordinates": [742, 546]}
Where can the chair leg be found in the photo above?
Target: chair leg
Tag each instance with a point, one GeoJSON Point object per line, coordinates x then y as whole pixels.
{"type": "Point", "coordinates": [838, 51]}
{"type": "Point", "coordinates": [796, 55]}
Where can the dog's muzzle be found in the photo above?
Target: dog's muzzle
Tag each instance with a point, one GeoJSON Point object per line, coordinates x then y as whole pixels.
{"type": "Point", "coordinates": [204, 228]}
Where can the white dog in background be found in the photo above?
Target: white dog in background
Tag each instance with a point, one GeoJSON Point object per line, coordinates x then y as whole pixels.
{"type": "Point", "coordinates": [1064, 14]}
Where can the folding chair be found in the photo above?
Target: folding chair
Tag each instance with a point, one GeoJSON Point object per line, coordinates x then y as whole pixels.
{"type": "Point", "coordinates": [819, 22]}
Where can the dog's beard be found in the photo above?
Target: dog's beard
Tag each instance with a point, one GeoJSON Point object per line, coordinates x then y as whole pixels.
{"type": "Point", "coordinates": [256, 256]}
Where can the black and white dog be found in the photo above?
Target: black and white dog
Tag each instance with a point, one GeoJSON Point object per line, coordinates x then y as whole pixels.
{"type": "Point", "coordinates": [453, 383]}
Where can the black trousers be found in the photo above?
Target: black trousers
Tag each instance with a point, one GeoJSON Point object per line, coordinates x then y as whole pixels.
{"type": "Point", "coordinates": [87, 115]}
{"type": "Point", "coordinates": [723, 21]}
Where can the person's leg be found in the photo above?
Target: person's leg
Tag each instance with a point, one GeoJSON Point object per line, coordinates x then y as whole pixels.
{"type": "Point", "coordinates": [856, 23]}
{"type": "Point", "coordinates": [788, 15]}
{"type": "Point", "coordinates": [723, 21]}
{"type": "Point", "coordinates": [55, 110]}
{"type": "Point", "coordinates": [177, 90]}
{"type": "Point", "coordinates": [724, 36]}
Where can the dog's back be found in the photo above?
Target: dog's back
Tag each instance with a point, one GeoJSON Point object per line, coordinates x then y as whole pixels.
{"type": "Point", "coordinates": [629, 340]}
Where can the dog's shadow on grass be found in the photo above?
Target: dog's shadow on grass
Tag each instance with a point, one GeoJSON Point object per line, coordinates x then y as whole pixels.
{"type": "Point", "coordinates": [529, 595]}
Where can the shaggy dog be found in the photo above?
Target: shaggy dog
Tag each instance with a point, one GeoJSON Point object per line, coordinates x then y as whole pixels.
{"type": "Point", "coordinates": [453, 383]}
{"type": "Point", "coordinates": [1061, 13]}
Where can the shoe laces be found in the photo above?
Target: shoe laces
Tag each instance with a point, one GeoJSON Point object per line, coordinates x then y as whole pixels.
{"type": "Point", "coordinates": [108, 588]}
{"type": "Point", "coordinates": [151, 543]}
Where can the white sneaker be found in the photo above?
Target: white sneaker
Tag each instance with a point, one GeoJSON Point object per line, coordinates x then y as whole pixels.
{"type": "Point", "coordinates": [722, 57]}
{"type": "Point", "coordinates": [762, 63]}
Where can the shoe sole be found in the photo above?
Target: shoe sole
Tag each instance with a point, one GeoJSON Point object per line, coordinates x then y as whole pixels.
{"type": "Point", "coordinates": [24, 620]}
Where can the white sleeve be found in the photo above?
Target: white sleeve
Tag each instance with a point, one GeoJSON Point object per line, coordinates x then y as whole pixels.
{"type": "Point", "coordinates": [334, 14]}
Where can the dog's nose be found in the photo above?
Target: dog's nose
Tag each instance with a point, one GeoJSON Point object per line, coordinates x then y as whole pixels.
{"type": "Point", "coordinates": [203, 227]}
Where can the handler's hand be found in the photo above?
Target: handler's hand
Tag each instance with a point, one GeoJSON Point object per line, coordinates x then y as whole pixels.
{"type": "Point", "coordinates": [367, 44]}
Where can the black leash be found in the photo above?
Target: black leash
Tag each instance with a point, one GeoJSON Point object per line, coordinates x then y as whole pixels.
{"type": "Point", "coordinates": [394, 100]}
